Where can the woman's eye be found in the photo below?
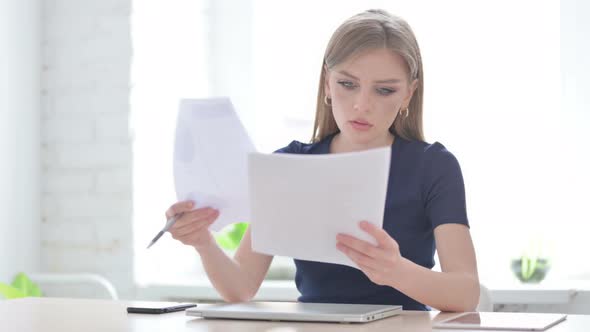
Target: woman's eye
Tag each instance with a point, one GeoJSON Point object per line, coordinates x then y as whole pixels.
{"type": "Point", "coordinates": [385, 91]}
{"type": "Point", "coordinates": [347, 84]}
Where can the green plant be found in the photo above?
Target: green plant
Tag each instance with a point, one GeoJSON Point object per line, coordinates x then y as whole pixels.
{"type": "Point", "coordinates": [533, 263]}
{"type": "Point", "coordinates": [530, 269]}
{"type": "Point", "coordinates": [230, 236]}
{"type": "Point", "coordinates": [21, 286]}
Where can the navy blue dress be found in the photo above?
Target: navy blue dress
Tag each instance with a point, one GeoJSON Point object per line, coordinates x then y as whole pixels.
{"type": "Point", "coordinates": [425, 190]}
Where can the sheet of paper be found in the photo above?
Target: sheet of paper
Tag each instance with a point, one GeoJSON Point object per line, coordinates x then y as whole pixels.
{"type": "Point", "coordinates": [300, 202]}
{"type": "Point", "coordinates": [211, 158]}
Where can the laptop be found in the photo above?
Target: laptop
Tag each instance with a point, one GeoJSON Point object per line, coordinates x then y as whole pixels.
{"type": "Point", "coordinates": [296, 311]}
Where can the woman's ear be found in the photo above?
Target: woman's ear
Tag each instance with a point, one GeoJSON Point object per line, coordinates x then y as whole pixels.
{"type": "Point", "coordinates": [411, 90]}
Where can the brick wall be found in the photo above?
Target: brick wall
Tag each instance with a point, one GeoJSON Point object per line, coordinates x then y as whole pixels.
{"type": "Point", "coordinates": [86, 142]}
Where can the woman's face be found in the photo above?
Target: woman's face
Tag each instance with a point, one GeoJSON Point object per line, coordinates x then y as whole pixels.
{"type": "Point", "coordinates": [367, 92]}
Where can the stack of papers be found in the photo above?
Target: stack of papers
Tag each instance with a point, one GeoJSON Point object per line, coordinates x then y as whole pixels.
{"type": "Point", "coordinates": [211, 159]}
{"type": "Point", "coordinates": [296, 204]}
{"type": "Point", "coordinates": [299, 203]}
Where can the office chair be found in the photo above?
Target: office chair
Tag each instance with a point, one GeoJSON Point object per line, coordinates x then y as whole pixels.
{"type": "Point", "coordinates": [74, 285]}
{"type": "Point", "coordinates": [485, 300]}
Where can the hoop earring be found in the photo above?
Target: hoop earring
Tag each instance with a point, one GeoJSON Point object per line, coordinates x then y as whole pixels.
{"type": "Point", "coordinates": [327, 101]}
{"type": "Point", "coordinates": [407, 113]}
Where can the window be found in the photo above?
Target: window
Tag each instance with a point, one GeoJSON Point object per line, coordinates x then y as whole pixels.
{"type": "Point", "coordinates": [492, 97]}
{"type": "Point", "coordinates": [169, 62]}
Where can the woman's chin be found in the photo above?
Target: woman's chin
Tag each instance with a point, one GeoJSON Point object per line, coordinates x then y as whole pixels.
{"type": "Point", "coordinates": [366, 139]}
{"type": "Point", "coordinates": [360, 138]}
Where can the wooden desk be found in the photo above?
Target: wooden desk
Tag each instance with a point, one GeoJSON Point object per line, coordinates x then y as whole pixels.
{"type": "Point", "coordinates": [75, 315]}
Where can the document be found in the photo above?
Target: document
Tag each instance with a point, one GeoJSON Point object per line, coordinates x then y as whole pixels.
{"type": "Point", "coordinates": [299, 203]}
{"type": "Point", "coordinates": [211, 159]}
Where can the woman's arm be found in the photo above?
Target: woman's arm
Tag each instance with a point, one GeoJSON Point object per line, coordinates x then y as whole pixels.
{"type": "Point", "coordinates": [456, 288]}
{"type": "Point", "coordinates": [237, 279]}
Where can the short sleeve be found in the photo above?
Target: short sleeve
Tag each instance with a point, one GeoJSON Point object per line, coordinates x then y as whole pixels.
{"type": "Point", "coordinates": [293, 147]}
{"type": "Point", "coordinates": [443, 188]}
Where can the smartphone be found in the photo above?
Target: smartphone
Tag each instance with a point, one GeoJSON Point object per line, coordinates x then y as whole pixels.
{"type": "Point", "coordinates": [158, 307]}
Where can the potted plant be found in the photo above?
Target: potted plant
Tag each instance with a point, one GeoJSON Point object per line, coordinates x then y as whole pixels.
{"type": "Point", "coordinates": [530, 269]}
{"type": "Point", "coordinates": [533, 264]}
{"type": "Point", "coordinates": [21, 286]}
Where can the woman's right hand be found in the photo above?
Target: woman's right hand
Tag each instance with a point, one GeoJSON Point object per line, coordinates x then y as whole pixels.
{"type": "Point", "coordinates": [193, 227]}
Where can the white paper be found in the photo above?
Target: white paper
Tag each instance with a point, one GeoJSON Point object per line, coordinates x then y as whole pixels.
{"type": "Point", "coordinates": [299, 203]}
{"type": "Point", "coordinates": [211, 159]}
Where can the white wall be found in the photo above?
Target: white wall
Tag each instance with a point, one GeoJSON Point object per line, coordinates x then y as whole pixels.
{"type": "Point", "coordinates": [575, 56]}
{"type": "Point", "coordinates": [575, 116]}
{"type": "Point", "coordinates": [19, 136]}
{"type": "Point", "coordinates": [230, 33]}
{"type": "Point", "coordinates": [86, 144]}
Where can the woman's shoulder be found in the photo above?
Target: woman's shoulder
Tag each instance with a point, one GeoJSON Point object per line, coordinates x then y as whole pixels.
{"type": "Point", "coordinates": [430, 156]}
{"type": "Point", "coordinates": [297, 147]}
{"type": "Point", "coordinates": [425, 150]}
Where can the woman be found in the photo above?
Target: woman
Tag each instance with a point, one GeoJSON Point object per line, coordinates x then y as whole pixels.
{"type": "Point", "coordinates": [370, 95]}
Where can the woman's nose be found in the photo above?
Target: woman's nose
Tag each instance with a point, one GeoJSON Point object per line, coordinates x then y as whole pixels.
{"type": "Point", "coordinates": [363, 101]}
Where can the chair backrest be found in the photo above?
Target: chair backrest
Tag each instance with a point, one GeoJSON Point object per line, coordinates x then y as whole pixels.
{"type": "Point", "coordinates": [485, 299]}
{"type": "Point", "coordinates": [75, 285]}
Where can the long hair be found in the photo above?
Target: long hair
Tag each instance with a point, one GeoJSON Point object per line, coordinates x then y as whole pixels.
{"type": "Point", "coordinates": [373, 29]}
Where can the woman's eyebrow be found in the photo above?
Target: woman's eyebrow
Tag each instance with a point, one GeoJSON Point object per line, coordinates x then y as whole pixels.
{"type": "Point", "coordinates": [391, 80]}
{"type": "Point", "coordinates": [345, 73]}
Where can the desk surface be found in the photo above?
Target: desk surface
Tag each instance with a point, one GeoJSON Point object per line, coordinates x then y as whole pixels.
{"type": "Point", "coordinates": [74, 315]}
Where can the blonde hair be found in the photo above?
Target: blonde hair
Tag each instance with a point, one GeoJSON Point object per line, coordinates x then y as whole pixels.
{"type": "Point", "coordinates": [373, 29]}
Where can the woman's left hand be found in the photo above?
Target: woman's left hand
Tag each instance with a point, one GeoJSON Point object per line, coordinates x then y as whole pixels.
{"type": "Point", "coordinates": [381, 262]}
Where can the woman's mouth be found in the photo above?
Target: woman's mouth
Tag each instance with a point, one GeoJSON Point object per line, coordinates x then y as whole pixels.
{"type": "Point", "coordinates": [360, 125]}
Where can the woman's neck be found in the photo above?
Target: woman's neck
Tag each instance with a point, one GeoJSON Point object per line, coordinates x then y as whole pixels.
{"type": "Point", "coordinates": [341, 144]}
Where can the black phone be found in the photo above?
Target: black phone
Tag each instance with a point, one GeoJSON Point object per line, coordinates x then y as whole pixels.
{"type": "Point", "coordinates": [158, 308]}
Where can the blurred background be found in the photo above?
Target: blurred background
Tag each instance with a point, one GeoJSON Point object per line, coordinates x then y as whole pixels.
{"type": "Point", "coordinates": [88, 100]}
